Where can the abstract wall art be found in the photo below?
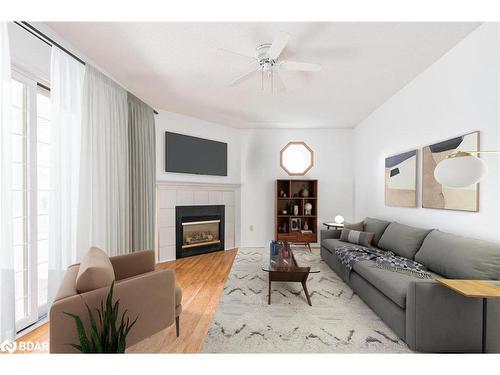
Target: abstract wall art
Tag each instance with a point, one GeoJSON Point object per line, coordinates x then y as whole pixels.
{"type": "Point", "coordinates": [401, 180]}
{"type": "Point", "coordinates": [435, 195]}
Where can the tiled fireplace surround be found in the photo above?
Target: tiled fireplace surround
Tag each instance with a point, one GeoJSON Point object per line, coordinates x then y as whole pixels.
{"type": "Point", "coordinates": [172, 194]}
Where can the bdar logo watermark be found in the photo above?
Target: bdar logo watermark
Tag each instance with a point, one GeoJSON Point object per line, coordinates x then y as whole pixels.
{"type": "Point", "coordinates": [24, 346]}
{"type": "Point", "coordinates": [8, 346]}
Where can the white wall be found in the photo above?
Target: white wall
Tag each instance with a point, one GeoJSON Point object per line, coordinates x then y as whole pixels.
{"type": "Point", "coordinates": [169, 121]}
{"type": "Point", "coordinates": [174, 122]}
{"type": "Point", "coordinates": [260, 168]}
{"type": "Point", "coordinates": [457, 94]}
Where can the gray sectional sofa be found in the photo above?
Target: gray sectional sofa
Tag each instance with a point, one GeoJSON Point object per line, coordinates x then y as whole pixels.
{"type": "Point", "coordinates": [426, 315]}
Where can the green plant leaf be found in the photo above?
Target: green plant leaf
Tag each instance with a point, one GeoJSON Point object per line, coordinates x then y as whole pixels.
{"type": "Point", "coordinates": [77, 347]}
{"type": "Point", "coordinates": [107, 336]}
{"type": "Point", "coordinates": [84, 343]}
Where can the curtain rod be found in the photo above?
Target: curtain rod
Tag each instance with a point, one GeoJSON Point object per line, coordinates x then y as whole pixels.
{"type": "Point", "coordinates": [49, 41]}
{"type": "Point", "coordinates": [44, 38]}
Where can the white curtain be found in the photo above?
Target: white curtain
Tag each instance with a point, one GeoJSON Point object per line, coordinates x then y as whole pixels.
{"type": "Point", "coordinates": [104, 213]}
{"type": "Point", "coordinates": [66, 80]}
{"type": "Point", "coordinates": [7, 301]}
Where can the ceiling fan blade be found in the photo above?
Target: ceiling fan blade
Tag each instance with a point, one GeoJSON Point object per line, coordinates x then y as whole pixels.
{"type": "Point", "coordinates": [299, 66]}
{"type": "Point", "coordinates": [279, 43]}
{"type": "Point", "coordinates": [250, 72]}
{"type": "Point", "coordinates": [225, 53]}
{"type": "Point", "coordinates": [280, 85]}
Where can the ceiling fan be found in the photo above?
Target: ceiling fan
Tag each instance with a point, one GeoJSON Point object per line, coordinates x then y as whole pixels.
{"type": "Point", "coordinates": [267, 62]}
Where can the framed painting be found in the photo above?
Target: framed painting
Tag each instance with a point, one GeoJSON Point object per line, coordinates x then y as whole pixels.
{"type": "Point", "coordinates": [401, 180]}
{"type": "Point", "coordinates": [296, 224]}
{"type": "Point", "coordinates": [435, 195]}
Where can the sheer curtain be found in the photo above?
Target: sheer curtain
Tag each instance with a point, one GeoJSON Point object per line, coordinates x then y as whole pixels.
{"type": "Point", "coordinates": [7, 305]}
{"type": "Point", "coordinates": [142, 159]}
{"type": "Point", "coordinates": [66, 78]}
{"type": "Point", "coordinates": [104, 201]}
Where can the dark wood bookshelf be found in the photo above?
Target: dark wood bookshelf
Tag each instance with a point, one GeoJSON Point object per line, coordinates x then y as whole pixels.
{"type": "Point", "coordinates": [290, 193]}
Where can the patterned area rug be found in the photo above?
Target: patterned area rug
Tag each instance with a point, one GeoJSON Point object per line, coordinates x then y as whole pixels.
{"type": "Point", "coordinates": [338, 321]}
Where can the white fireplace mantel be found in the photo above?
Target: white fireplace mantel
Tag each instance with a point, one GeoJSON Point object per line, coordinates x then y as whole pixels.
{"type": "Point", "coordinates": [177, 193]}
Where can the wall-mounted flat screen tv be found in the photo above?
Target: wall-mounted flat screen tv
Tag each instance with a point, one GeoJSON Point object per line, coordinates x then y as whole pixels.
{"type": "Point", "coordinates": [186, 154]}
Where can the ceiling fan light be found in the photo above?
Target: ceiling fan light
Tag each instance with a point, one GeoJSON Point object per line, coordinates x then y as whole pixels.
{"type": "Point", "coordinates": [460, 171]}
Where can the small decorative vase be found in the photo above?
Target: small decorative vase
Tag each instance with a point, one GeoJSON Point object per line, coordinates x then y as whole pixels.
{"type": "Point", "coordinates": [295, 210]}
{"type": "Point", "coordinates": [305, 192]}
{"type": "Point", "coordinates": [306, 227]}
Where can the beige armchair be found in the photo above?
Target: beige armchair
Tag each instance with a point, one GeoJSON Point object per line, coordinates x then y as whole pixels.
{"type": "Point", "coordinates": [151, 295]}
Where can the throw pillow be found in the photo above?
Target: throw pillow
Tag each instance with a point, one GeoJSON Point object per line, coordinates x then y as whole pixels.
{"type": "Point", "coordinates": [96, 271]}
{"type": "Point", "coordinates": [354, 226]}
{"type": "Point", "coordinates": [357, 237]}
{"type": "Point", "coordinates": [376, 226]}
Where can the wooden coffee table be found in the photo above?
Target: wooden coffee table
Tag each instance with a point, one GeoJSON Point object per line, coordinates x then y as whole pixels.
{"type": "Point", "coordinates": [286, 268]}
{"type": "Point", "coordinates": [475, 289]}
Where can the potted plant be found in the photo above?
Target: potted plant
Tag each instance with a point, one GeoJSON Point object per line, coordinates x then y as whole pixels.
{"type": "Point", "coordinates": [105, 336]}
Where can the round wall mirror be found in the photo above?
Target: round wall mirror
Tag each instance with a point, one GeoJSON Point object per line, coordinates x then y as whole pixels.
{"type": "Point", "coordinates": [296, 158]}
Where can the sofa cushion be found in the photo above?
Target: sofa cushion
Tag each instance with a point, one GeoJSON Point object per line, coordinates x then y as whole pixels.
{"type": "Point", "coordinates": [332, 243]}
{"type": "Point", "coordinates": [457, 257]}
{"type": "Point", "coordinates": [402, 239]}
{"type": "Point", "coordinates": [393, 285]}
{"type": "Point", "coordinates": [356, 237]}
{"type": "Point", "coordinates": [95, 271]}
{"type": "Point", "coordinates": [375, 226]}
{"type": "Point", "coordinates": [354, 226]}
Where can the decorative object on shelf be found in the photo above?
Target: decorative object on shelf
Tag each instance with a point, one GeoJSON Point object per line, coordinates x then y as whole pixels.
{"type": "Point", "coordinates": [401, 180]}
{"type": "Point", "coordinates": [305, 191]}
{"type": "Point", "coordinates": [295, 210]}
{"type": "Point", "coordinates": [339, 219]}
{"type": "Point", "coordinates": [308, 207]}
{"type": "Point", "coordinates": [306, 226]}
{"type": "Point", "coordinates": [285, 227]}
{"type": "Point", "coordinates": [437, 195]}
{"type": "Point", "coordinates": [296, 158]}
{"type": "Point", "coordinates": [284, 212]}
{"type": "Point", "coordinates": [296, 224]}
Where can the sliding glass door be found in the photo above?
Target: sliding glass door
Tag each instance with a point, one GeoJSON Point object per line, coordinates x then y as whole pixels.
{"type": "Point", "coordinates": [31, 183]}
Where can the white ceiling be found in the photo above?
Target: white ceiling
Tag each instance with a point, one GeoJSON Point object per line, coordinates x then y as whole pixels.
{"type": "Point", "coordinates": [177, 66]}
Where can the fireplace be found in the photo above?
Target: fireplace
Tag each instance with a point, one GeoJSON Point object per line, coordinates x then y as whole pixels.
{"type": "Point", "coordinates": [199, 230]}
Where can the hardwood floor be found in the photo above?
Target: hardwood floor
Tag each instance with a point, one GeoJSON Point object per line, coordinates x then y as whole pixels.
{"type": "Point", "coordinates": [202, 280]}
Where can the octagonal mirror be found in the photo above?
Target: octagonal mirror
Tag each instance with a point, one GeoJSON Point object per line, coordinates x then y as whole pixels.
{"type": "Point", "coordinates": [296, 158]}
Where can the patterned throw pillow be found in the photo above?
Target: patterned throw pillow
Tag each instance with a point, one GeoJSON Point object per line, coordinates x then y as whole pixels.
{"type": "Point", "coordinates": [357, 237]}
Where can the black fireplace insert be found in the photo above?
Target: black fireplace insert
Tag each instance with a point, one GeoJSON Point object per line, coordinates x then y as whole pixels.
{"type": "Point", "coordinates": [198, 230]}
